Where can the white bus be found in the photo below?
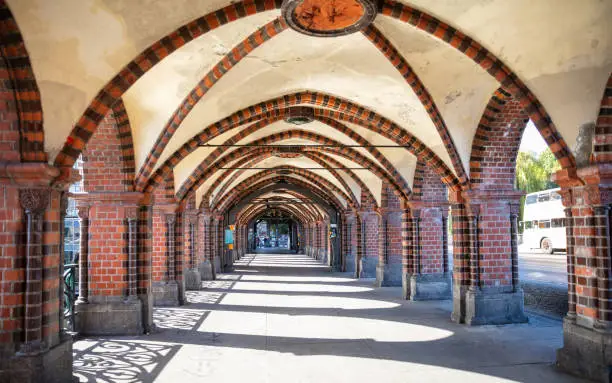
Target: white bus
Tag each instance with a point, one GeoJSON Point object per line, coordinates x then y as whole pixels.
{"type": "Point", "coordinates": [544, 221]}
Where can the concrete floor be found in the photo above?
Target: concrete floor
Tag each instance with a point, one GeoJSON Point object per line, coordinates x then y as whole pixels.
{"type": "Point", "coordinates": [286, 318]}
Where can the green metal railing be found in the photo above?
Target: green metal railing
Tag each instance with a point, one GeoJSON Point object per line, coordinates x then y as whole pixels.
{"type": "Point", "coordinates": [70, 294]}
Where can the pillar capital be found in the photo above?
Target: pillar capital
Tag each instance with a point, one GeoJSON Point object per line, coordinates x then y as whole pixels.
{"type": "Point", "coordinates": [34, 200]}
{"type": "Point", "coordinates": [83, 211]}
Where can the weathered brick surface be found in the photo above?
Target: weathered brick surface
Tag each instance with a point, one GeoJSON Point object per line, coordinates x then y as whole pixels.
{"type": "Point", "coordinates": [12, 266]}
{"type": "Point", "coordinates": [496, 143]}
{"type": "Point", "coordinates": [9, 123]}
{"type": "Point", "coordinates": [105, 168]}
{"type": "Point", "coordinates": [108, 254]}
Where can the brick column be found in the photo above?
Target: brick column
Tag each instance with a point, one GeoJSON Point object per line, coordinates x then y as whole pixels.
{"type": "Point", "coordinates": [165, 286]}
{"type": "Point", "coordinates": [485, 289]}
{"type": "Point", "coordinates": [34, 202]}
{"type": "Point", "coordinates": [193, 278]}
{"type": "Point", "coordinates": [32, 345]}
{"type": "Point", "coordinates": [587, 327]}
{"type": "Point", "coordinates": [359, 245]}
{"type": "Point", "coordinates": [343, 242]}
{"type": "Point", "coordinates": [370, 240]}
{"type": "Point", "coordinates": [382, 269]}
{"type": "Point", "coordinates": [206, 267]}
{"type": "Point", "coordinates": [116, 303]}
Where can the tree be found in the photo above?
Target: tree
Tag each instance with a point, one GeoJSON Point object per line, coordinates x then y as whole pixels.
{"type": "Point", "coordinates": [533, 173]}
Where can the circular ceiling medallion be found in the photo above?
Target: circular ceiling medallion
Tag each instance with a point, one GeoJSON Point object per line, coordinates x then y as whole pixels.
{"type": "Point", "coordinates": [328, 18]}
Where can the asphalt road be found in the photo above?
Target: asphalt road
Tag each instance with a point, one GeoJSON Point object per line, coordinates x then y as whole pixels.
{"type": "Point", "coordinates": [538, 267]}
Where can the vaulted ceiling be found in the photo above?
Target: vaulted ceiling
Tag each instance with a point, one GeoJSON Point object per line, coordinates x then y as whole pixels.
{"type": "Point", "coordinates": [560, 49]}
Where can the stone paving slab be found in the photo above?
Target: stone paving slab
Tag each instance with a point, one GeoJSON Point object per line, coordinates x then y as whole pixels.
{"type": "Point", "coordinates": [288, 319]}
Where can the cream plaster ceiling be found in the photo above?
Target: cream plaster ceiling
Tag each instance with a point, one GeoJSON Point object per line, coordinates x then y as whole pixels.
{"type": "Point", "coordinates": [561, 49]}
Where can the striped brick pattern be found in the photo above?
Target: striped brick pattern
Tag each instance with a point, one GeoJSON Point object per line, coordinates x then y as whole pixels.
{"type": "Point", "coordinates": [151, 56]}
{"type": "Point", "coordinates": [344, 110]}
{"type": "Point", "coordinates": [232, 58]}
{"type": "Point", "coordinates": [19, 85]}
{"type": "Point", "coordinates": [195, 176]}
{"type": "Point", "coordinates": [313, 178]}
{"type": "Point", "coordinates": [492, 65]}
{"type": "Point", "coordinates": [496, 142]}
{"type": "Point", "coordinates": [603, 128]}
{"type": "Point", "coordinates": [405, 70]}
{"type": "Point", "coordinates": [195, 180]}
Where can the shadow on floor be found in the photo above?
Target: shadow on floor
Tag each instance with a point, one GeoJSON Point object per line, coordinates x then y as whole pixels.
{"type": "Point", "coordinates": [286, 308]}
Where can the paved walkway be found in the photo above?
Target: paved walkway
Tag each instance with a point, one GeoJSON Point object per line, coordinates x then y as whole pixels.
{"type": "Point", "coordinates": [286, 318]}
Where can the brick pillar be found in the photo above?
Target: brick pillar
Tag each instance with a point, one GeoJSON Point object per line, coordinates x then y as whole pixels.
{"type": "Point", "coordinates": [116, 268]}
{"type": "Point", "coordinates": [193, 277]}
{"type": "Point", "coordinates": [358, 244]}
{"type": "Point", "coordinates": [587, 327]}
{"type": "Point", "coordinates": [165, 288]}
{"type": "Point", "coordinates": [206, 267]}
{"type": "Point", "coordinates": [33, 346]}
{"type": "Point", "coordinates": [485, 292]}
{"type": "Point", "coordinates": [219, 244]}
{"type": "Point", "coordinates": [343, 242]}
{"type": "Point", "coordinates": [370, 240]}
{"type": "Point", "coordinates": [382, 267]}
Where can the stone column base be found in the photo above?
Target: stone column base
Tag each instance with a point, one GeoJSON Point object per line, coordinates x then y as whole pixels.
{"type": "Point", "coordinates": [490, 307]}
{"type": "Point", "coordinates": [349, 263]}
{"type": "Point", "coordinates": [217, 265]}
{"type": "Point", "coordinates": [193, 280]}
{"type": "Point", "coordinates": [368, 267]}
{"type": "Point", "coordinates": [206, 271]}
{"type": "Point", "coordinates": [426, 287]}
{"type": "Point", "coordinates": [586, 352]}
{"type": "Point", "coordinates": [113, 317]}
{"type": "Point", "coordinates": [389, 275]}
{"type": "Point", "coordinates": [165, 294]}
{"type": "Point", "coordinates": [53, 365]}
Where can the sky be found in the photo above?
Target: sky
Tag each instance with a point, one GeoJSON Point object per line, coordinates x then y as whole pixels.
{"type": "Point", "coordinates": [532, 141]}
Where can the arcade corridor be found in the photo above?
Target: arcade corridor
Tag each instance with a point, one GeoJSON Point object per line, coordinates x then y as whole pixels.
{"type": "Point", "coordinates": [285, 318]}
{"type": "Point", "coordinates": [149, 148]}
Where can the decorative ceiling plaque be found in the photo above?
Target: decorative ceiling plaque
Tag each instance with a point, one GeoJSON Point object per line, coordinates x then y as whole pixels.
{"type": "Point", "coordinates": [327, 18]}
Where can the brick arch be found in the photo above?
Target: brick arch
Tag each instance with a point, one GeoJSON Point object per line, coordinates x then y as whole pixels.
{"type": "Point", "coordinates": [490, 63]}
{"type": "Point", "coordinates": [108, 158]}
{"type": "Point", "coordinates": [271, 181]}
{"type": "Point", "coordinates": [246, 151]}
{"type": "Point", "coordinates": [269, 119]}
{"type": "Point", "coordinates": [322, 158]}
{"type": "Point", "coordinates": [315, 184]}
{"type": "Point", "coordinates": [118, 85]}
{"type": "Point", "coordinates": [377, 38]}
{"type": "Point", "coordinates": [254, 159]}
{"type": "Point", "coordinates": [164, 192]}
{"type": "Point", "coordinates": [246, 161]}
{"type": "Point", "coordinates": [496, 142]}
{"type": "Point", "coordinates": [256, 210]}
{"type": "Point", "coordinates": [427, 186]}
{"type": "Point", "coordinates": [315, 213]}
{"type": "Point", "coordinates": [309, 215]}
{"type": "Point", "coordinates": [602, 151]}
{"type": "Point", "coordinates": [305, 210]}
{"type": "Point", "coordinates": [259, 37]}
{"type": "Point", "coordinates": [127, 143]}
{"type": "Point", "coordinates": [357, 114]}
{"type": "Point", "coordinates": [23, 138]}
{"type": "Point", "coordinates": [232, 58]}
{"type": "Point", "coordinates": [195, 180]}
{"type": "Point", "coordinates": [313, 178]}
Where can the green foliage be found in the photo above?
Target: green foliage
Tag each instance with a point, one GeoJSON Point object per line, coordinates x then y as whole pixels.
{"type": "Point", "coordinates": [533, 173]}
